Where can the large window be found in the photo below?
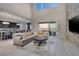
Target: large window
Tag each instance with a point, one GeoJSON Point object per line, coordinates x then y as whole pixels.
{"type": "Point", "coordinates": [40, 6]}
{"type": "Point", "coordinates": [53, 26]}
{"type": "Point", "coordinates": [43, 26]}
{"type": "Point", "coordinates": [48, 26]}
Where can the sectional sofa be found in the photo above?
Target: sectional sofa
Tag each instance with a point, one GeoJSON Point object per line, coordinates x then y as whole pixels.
{"type": "Point", "coordinates": [21, 39]}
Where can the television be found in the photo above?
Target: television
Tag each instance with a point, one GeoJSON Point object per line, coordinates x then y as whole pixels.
{"type": "Point", "coordinates": [74, 24]}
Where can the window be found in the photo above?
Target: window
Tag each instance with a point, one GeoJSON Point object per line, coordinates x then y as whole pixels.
{"type": "Point", "coordinates": [43, 26]}
{"type": "Point", "coordinates": [53, 25]}
{"type": "Point", "coordinates": [40, 6]}
{"type": "Point", "coordinates": [49, 5]}
{"type": "Point", "coordinates": [46, 5]}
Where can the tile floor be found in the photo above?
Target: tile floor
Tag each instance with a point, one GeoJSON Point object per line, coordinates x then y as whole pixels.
{"type": "Point", "coordinates": [54, 47]}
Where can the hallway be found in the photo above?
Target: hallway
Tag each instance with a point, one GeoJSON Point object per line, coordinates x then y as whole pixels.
{"type": "Point", "coordinates": [54, 47]}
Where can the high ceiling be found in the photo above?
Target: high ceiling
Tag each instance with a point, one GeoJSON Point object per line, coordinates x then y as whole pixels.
{"type": "Point", "coordinates": [16, 11]}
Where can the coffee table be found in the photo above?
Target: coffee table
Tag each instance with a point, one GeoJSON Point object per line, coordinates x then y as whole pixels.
{"type": "Point", "coordinates": [40, 40]}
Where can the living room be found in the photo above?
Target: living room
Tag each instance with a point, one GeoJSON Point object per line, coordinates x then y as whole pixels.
{"type": "Point", "coordinates": [16, 29]}
{"type": "Point", "coordinates": [30, 22]}
{"type": "Point", "coordinates": [36, 29]}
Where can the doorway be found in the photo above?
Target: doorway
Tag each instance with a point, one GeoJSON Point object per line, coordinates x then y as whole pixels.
{"type": "Point", "coordinates": [51, 27]}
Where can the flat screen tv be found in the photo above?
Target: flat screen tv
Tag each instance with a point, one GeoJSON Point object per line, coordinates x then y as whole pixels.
{"type": "Point", "coordinates": [74, 24]}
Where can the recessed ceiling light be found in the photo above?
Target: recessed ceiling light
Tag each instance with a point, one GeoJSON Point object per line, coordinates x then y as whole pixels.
{"type": "Point", "coordinates": [5, 22]}
{"type": "Point", "coordinates": [18, 24]}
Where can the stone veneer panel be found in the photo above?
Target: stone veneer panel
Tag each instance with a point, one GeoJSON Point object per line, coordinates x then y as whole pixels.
{"type": "Point", "coordinates": [72, 11]}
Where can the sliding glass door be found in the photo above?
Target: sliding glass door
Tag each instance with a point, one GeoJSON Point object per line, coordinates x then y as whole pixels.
{"type": "Point", "coordinates": [51, 27]}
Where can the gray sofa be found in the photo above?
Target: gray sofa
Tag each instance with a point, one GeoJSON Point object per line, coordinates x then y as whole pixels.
{"type": "Point", "coordinates": [21, 39]}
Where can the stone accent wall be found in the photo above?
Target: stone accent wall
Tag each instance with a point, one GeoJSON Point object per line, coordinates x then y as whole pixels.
{"type": "Point", "coordinates": [72, 11]}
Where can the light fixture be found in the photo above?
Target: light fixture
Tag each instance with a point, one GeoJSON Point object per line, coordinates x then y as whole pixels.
{"type": "Point", "coordinates": [5, 22]}
{"type": "Point", "coordinates": [18, 24]}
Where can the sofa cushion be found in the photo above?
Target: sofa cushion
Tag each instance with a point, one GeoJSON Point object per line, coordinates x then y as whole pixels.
{"type": "Point", "coordinates": [28, 34]}
{"type": "Point", "coordinates": [27, 38]}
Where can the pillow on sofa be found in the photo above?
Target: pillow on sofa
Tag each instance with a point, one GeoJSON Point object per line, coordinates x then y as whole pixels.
{"type": "Point", "coordinates": [28, 33]}
{"type": "Point", "coordinates": [40, 34]}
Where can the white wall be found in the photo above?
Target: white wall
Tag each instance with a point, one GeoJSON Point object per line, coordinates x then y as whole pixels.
{"type": "Point", "coordinates": [23, 9]}
{"type": "Point", "coordinates": [57, 14]}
